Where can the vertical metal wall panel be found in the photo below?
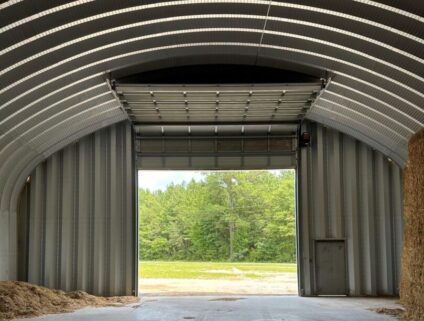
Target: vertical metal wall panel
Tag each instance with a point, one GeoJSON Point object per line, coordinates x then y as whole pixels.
{"type": "Point", "coordinates": [83, 265]}
{"type": "Point", "coordinates": [80, 204]}
{"type": "Point", "coordinates": [304, 248]}
{"type": "Point", "coordinates": [396, 207]}
{"type": "Point", "coordinates": [22, 230]}
{"type": "Point", "coordinates": [348, 191]}
{"type": "Point", "coordinates": [36, 234]}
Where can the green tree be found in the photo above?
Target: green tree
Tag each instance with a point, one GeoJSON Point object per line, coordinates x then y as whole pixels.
{"type": "Point", "coordinates": [241, 216]}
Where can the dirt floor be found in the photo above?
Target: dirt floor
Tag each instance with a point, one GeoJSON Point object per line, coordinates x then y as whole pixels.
{"type": "Point", "coordinates": [282, 283]}
{"type": "Point", "coordinates": [25, 300]}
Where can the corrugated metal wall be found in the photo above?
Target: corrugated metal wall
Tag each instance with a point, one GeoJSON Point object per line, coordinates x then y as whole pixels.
{"type": "Point", "coordinates": [77, 217]}
{"type": "Point", "coordinates": [77, 214]}
{"type": "Point", "coordinates": [351, 192]}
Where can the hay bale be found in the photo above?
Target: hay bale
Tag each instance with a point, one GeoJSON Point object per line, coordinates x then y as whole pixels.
{"type": "Point", "coordinates": [412, 283]}
{"type": "Point", "coordinates": [25, 300]}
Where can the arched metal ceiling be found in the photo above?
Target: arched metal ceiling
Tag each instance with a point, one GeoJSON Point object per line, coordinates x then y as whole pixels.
{"type": "Point", "coordinates": [55, 57]}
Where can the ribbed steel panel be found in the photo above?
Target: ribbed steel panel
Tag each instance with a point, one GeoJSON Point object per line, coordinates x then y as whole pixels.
{"type": "Point", "coordinates": [348, 191]}
{"type": "Point", "coordinates": [80, 217]}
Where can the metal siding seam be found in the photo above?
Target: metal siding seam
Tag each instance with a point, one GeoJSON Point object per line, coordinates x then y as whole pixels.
{"type": "Point", "coordinates": [358, 227]}
{"type": "Point", "coordinates": [12, 244]}
{"type": "Point", "coordinates": [43, 228]}
{"type": "Point", "coordinates": [388, 229]}
{"type": "Point", "coordinates": [343, 216]}
{"type": "Point", "coordinates": [393, 225]}
{"type": "Point", "coordinates": [92, 213]}
{"type": "Point", "coordinates": [365, 194]}
{"type": "Point", "coordinates": [328, 214]}
{"type": "Point", "coordinates": [304, 228]}
{"type": "Point", "coordinates": [114, 227]}
{"type": "Point", "coordinates": [372, 223]}
{"type": "Point", "coordinates": [351, 212]}
{"type": "Point", "coordinates": [51, 221]}
{"type": "Point", "coordinates": [335, 171]}
{"type": "Point", "coordinates": [76, 222]}
{"type": "Point", "coordinates": [66, 191]}
{"type": "Point", "coordinates": [128, 223]}
{"type": "Point", "coordinates": [34, 262]}
{"type": "Point", "coordinates": [397, 196]}
{"type": "Point", "coordinates": [318, 183]}
{"type": "Point", "coordinates": [82, 232]}
{"type": "Point", "coordinates": [28, 222]}
{"type": "Point", "coordinates": [22, 230]}
{"type": "Point", "coordinates": [59, 205]}
{"type": "Point", "coordinates": [311, 213]}
{"type": "Point", "coordinates": [379, 203]}
{"type": "Point", "coordinates": [328, 171]}
{"type": "Point", "coordinates": [108, 201]}
{"type": "Point", "coordinates": [98, 266]}
{"type": "Point", "coordinates": [361, 213]}
{"type": "Point", "coordinates": [124, 214]}
{"type": "Point", "coordinates": [120, 211]}
{"type": "Point", "coordinates": [121, 207]}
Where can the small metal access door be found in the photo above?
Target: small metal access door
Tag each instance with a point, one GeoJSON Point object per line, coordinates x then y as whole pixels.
{"type": "Point", "coordinates": [330, 267]}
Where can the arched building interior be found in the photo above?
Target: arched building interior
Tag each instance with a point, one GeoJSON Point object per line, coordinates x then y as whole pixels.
{"type": "Point", "coordinates": [90, 91]}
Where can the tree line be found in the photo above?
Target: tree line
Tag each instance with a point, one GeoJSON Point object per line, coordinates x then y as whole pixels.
{"type": "Point", "coordinates": [228, 216]}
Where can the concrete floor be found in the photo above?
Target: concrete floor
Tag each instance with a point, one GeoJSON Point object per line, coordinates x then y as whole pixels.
{"type": "Point", "coordinates": [249, 308]}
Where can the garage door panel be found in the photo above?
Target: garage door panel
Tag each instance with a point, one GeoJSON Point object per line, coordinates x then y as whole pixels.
{"type": "Point", "coordinates": [219, 147]}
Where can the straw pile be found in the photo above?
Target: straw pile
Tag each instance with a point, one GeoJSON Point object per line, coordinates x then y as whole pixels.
{"type": "Point", "coordinates": [412, 284]}
{"type": "Point", "coordinates": [394, 312]}
{"type": "Point", "coordinates": [25, 300]}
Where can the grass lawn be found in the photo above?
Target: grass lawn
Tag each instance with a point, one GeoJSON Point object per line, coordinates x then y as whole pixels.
{"type": "Point", "coordinates": [211, 270]}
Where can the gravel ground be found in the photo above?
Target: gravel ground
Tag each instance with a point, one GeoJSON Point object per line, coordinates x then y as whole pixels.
{"type": "Point", "coordinates": [275, 284]}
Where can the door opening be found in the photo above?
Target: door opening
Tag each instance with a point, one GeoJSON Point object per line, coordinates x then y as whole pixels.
{"type": "Point", "coordinates": [217, 232]}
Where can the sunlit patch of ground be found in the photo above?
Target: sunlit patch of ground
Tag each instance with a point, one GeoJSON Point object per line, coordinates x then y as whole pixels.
{"type": "Point", "coordinates": [196, 278]}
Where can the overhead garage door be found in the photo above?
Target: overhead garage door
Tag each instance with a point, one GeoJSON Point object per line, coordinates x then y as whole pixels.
{"type": "Point", "coordinates": [211, 147]}
{"type": "Point", "coordinates": [211, 127]}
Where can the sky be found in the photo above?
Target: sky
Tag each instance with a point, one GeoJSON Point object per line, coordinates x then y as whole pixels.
{"type": "Point", "coordinates": [159, 180]}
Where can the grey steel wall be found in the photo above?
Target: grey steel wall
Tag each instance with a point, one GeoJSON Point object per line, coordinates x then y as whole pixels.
{"type": "Point", "coordinates": [349, 191]}
{"type": "Point", "coordinates": [77, 217]}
